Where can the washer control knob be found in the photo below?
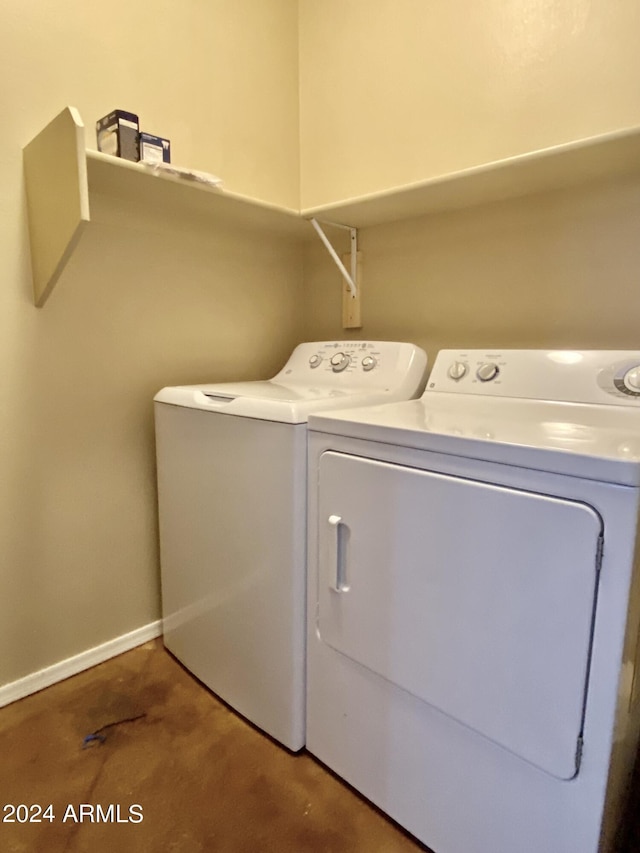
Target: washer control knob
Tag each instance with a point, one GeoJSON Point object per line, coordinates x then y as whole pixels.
{"type": "Point", "coordinates": [631, 379]}
{"type": "Point", "coordinates": [487, 371]}
{"type": "Point", "coordinates": [315, 360]}
{"type": "Point", "coordinates": [368, 362]}
{"type": "Point", "coordinates": [339, 362]}
{"type": "Point", "coordinates": [457, 370]}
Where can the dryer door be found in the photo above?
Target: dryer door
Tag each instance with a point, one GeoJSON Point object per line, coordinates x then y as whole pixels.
{"type": "Point", "coordinates": [476, 598]}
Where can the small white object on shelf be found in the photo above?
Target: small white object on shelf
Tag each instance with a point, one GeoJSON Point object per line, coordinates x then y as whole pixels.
{"type": "Point", "coordinates": [187, 174]}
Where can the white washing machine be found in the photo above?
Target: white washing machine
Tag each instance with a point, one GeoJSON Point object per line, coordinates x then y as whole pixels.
{"type": "Point", "coordinates": [231, 462]}
{"type": "Point", "coordinates": [473, 600]}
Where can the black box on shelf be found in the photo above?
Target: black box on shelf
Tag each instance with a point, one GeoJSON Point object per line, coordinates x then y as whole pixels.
{"type": "Point", "coordinates": [154, 149]}
{"type": "Point", "coordinates": [118, 135]}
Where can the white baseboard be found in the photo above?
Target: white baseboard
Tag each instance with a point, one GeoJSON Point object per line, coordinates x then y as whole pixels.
{"type": "Point", "coordinates": [72, 666]}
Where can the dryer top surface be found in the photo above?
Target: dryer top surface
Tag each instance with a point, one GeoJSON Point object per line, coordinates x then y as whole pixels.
{"type": "Point", "coordinates": [571, 413]}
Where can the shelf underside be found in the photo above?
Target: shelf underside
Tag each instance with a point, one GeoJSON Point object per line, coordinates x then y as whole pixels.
{"type": "Point", "coordinates": [134, 183]}
{"type": "Point", "coordinates": [573, 164]}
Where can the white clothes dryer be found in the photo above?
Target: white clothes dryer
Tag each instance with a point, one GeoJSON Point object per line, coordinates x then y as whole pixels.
{"type": "Point", "coordinates": [231, 461]}
{"type": "Point", "coordinates": [474, 600]}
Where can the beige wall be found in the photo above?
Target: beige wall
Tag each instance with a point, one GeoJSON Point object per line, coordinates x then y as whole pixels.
{"type": "Point", "coordinates": [218, 78]}
{"type": "Point", "coordinates": [397, 91]}
{"type": "Point", "coordinates": [390, 93]}
{"type": "Point", "coordinates": [558, 269]}
{"type": "Point", "coordinates": [142, 304]}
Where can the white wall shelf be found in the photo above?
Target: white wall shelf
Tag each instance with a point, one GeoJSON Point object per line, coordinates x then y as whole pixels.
{"type": "Point", "coordinates": [61, 176]}
{"type": "Point", "coordinates": [568, 165]}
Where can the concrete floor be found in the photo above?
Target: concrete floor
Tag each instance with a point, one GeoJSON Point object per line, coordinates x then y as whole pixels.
{"type": "Point", "coordinates": [205, 781]}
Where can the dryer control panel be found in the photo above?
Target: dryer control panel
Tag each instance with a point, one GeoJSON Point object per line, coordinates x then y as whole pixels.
{"type": "Point", "coordinates": [578, 376]}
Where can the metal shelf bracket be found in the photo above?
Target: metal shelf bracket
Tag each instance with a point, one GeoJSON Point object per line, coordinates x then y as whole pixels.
{"type": "Point", "coordinates": [350, 278]}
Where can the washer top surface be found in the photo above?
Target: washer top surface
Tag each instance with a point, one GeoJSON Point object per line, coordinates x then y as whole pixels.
{"type": "Point", "coordinates": [569, 412]}
{"type": "Point", "coordinates": [318, 375]}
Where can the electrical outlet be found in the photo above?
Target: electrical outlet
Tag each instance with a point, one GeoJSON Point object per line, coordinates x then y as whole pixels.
{"type": "Point", "coordinates": [351, 313]}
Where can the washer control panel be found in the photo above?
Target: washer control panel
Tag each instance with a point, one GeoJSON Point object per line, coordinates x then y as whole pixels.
{"type": "Point", "coordinates": [352, 356]}
{"type": "Point", "coordinates": [364, 364]}
{"type": "Point", "coordinates": [349, 354]}
{"type": "Point", "coordinates": [580, 376]}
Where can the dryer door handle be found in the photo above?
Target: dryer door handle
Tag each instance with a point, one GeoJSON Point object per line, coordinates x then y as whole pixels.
{"type": "Point", "coordinates": [340, 582]}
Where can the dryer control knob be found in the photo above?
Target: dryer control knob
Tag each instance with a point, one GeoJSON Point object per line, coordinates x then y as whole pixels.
{"type": "Point", "coordinates": [487, 371]}
{"type": "Point", "coordinates": [315, 360]}
{"type": "Point", "coordinates": [339, 362]}
{"type": "Point", "coordinates": [632, 379]}
{"type": "Point", "coordinates": [457, 370]}
{"type": "Point", "coordinates": [368, 362]}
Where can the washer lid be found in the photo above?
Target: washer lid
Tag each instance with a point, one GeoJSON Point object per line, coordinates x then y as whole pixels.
{"type": "Point", "coordinates": [594, 442]}
{"type": "Point", "coordinates": [269, 400]}
{"type": "Point", "coordinates": [317, 375]}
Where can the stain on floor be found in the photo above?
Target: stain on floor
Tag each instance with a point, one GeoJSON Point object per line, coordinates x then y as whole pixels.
{"type": "Point", "coordinates": [203, 780]}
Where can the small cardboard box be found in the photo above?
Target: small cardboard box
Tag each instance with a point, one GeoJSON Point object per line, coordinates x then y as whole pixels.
{"type": "Point", "coordinates": [154, 149]}
{"type": "Point", "coordinates": [118, 135]}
